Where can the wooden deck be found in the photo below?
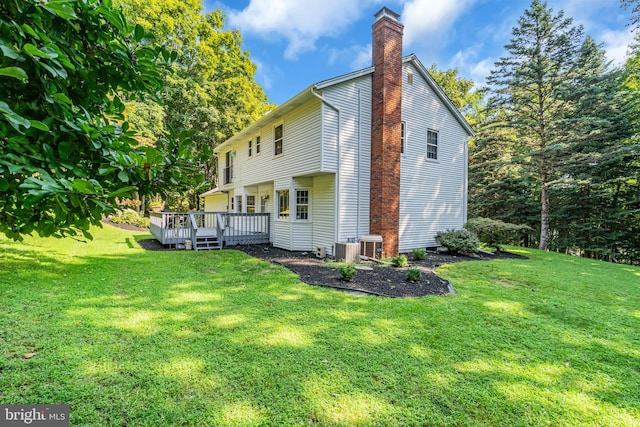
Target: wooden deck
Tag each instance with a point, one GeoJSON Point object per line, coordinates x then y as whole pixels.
{"type": "Point", "coordinates": [210, 230]}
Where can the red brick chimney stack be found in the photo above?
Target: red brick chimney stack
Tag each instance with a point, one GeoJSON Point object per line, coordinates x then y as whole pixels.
{"type": "Point", "coordinates": [386, 122]}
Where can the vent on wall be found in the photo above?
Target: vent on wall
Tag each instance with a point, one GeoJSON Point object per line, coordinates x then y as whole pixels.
{"type": "Point", "coordinates": [320, 252]}
{"type": "Point", "coordinates": [348, 252]}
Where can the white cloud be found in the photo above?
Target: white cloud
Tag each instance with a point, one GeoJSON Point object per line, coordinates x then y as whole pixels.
{"type": "Point", "coordinates": [356, 56]}
{"type": "Point", "coordinates": [427, 22]}
{"type": "Point", "coordinates": [300, 23]}
{"type": "Point", "coordinates": [616, 43]}
{"type": "Point", "coordinates": [470, 67]}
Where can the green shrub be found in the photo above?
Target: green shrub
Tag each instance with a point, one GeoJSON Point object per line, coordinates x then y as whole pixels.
{"type": "Point", "coordinates": [400, 261]}
{"type": "Point", "coordinates": [419, 254]}
{"type": "Point", "coordinates": [460, 241]}
{"type": "Point", "coordinates": [348, 272]}
{"type": "Point", "coordinates": [130, 217]}
{"type": "Point", "coordinates": [495, 233]}
{"type": "Point", "coordinates": [414, 275]}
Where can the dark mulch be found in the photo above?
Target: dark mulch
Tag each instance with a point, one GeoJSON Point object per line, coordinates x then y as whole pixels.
{"type": "Point", "coordinates": [380, 280]}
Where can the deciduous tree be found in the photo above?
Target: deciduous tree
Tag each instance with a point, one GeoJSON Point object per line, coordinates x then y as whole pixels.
{"type": "Point", "coordinates": [65, 151]}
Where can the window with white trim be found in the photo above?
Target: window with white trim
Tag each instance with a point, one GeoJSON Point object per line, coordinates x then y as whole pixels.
{"type": "Point", "coordinates": [257, 144]}
{"type": "Point", "coordinates": [239, 203]}
{"type": "Point", "coordinates": [251, 204]}
{"type": "Point", "coordinates": [302, 204]}
{"type": "Point", "coordinates": [277, 140]}
{"type": "Point", "coordinates": [283, 204]}
{"type": "Point", "coordinates": [403, 137]}
{"type": "Point", "coordinates": [250, 148]}
{"type": "Point", "coordinates": [432, 144]}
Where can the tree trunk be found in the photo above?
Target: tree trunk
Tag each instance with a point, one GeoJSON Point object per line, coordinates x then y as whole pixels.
{"type": "Point", "coordinates": [544, 212]}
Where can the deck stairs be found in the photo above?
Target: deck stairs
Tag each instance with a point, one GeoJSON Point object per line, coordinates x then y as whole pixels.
{"type": "Point", "coordinates": [207, 243]}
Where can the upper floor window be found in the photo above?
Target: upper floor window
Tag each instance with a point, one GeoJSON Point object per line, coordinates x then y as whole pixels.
{"type": "Point", "coordinates": [432, 144]}
{"type": "Point", "coordinates": [409, 77]}
{"type": "Point", "coordinates": [277, 140]}
{"type": "Point", "coordinates": [283, 204]}
{"type": "Point", "coordinates": [403, 137]}
{"type": "Point", "coordinates": [302, 204]}
{"type": "Point", "coordinates": [228, 167]}
{"type": "Point", "coordinates": [258, 144]}
{"type": "Point", "coordinates": [250, 148]}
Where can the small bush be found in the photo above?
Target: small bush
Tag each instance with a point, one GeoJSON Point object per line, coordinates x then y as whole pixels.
{"type": "Point", "coordinates": [130, 217]}
{"type": "Point", "coordinates": [400, 261]}
{"type": "Point", "coordinates": [460, 241]}
{"type": "Point", "coordinates": [348, 272]}
{"type": "Point", "coordinates": [419, 254]}
{"type": "Point", "coordinates": [414, 275]}
{"type": "Point", "coordinates": [495, 233]}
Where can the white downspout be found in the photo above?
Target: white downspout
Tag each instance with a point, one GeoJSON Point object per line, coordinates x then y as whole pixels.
{"type": "Point", "coordinates": [337, 196]}
{"type": "Point", "coordinates": [358, 171]}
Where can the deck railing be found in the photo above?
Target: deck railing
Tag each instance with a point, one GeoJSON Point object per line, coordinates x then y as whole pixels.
{"type": "Point", "coordinates": [234, 228]}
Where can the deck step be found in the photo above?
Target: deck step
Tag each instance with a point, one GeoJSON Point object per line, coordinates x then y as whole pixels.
{"type": "Point", "coordinates": [207, 242]}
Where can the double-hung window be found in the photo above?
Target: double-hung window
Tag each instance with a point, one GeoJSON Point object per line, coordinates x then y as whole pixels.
{"type": "Point", "coordinates": [250, 148]}
{"type": "Point", "coordinates": [302, 204]}
{"type": "Point", "coordinates": [432, 144]}
{"type": "Point", "coordinates": [283, 204]}
{"type": "Point", "coordinates": [257, 144]}
{"type": "Point", "coordinates": [228, 167]}
{"type": "Point", "coordinates": [277, 140]}
{"type": "Point", "coordinates": [251, 204]}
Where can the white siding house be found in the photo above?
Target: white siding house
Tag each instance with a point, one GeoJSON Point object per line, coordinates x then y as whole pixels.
{"type": "Point", "coordinates": [308, 162]}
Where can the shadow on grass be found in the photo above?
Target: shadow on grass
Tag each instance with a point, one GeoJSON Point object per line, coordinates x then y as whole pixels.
{"type": "Point", "coordinates": [187, 338]}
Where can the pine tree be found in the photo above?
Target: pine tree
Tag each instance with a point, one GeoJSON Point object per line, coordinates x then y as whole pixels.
{"type": "Point", "coordinates": [533, 86]}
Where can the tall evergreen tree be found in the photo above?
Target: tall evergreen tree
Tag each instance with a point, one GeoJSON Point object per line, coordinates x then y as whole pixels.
{"type": "Point", "coordinates": [533, 86]}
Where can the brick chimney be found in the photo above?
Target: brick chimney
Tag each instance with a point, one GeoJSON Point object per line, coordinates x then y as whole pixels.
{"type": "Point", "coordinates": [386, 122]}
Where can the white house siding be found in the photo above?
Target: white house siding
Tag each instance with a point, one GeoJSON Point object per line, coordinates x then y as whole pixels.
{"type": "Point", "coordinates": [432, 193]}
{"type": "Point", "coordinates": [323, 211]}
{"type": "Point", "coordinates": [353, 98]}
{"type": "Point", "coordinates": [215, 203]}
{"type": "Point", "coordinates": [330, 139]}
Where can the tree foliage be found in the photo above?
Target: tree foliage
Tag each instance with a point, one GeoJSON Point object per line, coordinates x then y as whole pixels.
{"type": "Point", "coordinates": [65, 151]}
{"type": "Point", "coordinates": [461, 92]}
{"type": "Point", "coordinates": [562, 134]}
{"type": "Point", "coordinates": [209, 90]}
{"type": "Point", "coordinates": [538, 87]}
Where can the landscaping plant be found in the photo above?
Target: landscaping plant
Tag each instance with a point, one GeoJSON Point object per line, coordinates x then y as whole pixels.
{"type": "Point", "coordinates": [496, 233]}
{"type": "Point", "coordinates": [419, 253]}
{"type": "Point", "coordinates": [414, 275]}
{"type": "Point", "coordinates": [348, 272]}
{"type": "Point", "coordinates": [458, 241]}
{"type": "Point", "coordinates": [400, 261]}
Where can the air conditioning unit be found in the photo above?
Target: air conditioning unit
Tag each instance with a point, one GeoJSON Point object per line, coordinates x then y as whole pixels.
{"type": "Point", "coordinates": [347, 252]}
{"type": "Point", "coordinates": [320, 252]}
{"type": "Point", "coordinates": [371, 245]}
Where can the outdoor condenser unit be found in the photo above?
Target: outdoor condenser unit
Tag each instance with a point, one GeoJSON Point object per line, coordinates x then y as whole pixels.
{"type": "Point", "coordinates": [348, 252]}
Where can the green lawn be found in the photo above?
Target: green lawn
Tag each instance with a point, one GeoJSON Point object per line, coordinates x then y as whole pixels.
{"type": "Point", "coordinates": [129, 337]}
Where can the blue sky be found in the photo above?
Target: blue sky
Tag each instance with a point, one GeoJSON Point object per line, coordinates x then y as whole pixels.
{"type": "Point", "coordinates": [295, 43]}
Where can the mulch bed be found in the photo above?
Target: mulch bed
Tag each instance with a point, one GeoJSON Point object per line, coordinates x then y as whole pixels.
{"type": "Point", "coordinates": [380, 280]}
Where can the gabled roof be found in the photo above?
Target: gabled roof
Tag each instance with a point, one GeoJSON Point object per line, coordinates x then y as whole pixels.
{"type": "Point", "coordinates": [308, 94]}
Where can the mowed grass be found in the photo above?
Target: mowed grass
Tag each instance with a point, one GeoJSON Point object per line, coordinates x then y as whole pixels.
{"type": "Point", "coordinates": [134, 338]}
